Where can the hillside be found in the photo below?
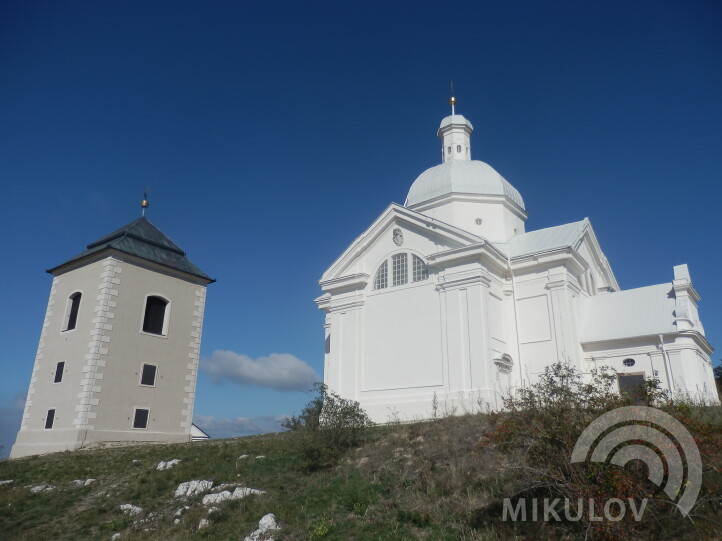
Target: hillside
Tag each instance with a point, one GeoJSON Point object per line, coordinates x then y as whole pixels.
{"type": "Point", "coordinates": [418, 481]}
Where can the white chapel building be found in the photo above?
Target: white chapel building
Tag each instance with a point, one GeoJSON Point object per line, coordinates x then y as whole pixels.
{"type": "Point", "coordinates": [119, 347]}
{"type": "Point", "coordinates": [448, 298]}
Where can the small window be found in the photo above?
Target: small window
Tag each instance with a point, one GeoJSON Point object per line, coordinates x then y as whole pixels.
{"type": "Point", "coordinates": [147, 377]}
{"type": "Point", "coordinates": [382, 276]}
{"type": "Point", "coordinates": [458, 148]}
{"type": "Point", "coordinates": [448, 150]}
{"type": "Point", "coordinates": [400, 269]}
{"type": "Point", "coordinates": [155, 312]}
{"type": "Point", "coordinates": [73, 307]}
{"type": "Point", "coordinates": [327, 348]}
{"type": "Point", "coordinates": [421, 271]}
{"type": "Point", "coordinates": [50, 419]}
{"type": "Point", "coordinates": [140, 419]}
{"type": "Point", "coordinates": [630, 386]}
{"type": "Point", "coordinates": [59, 369]}
{"type": "Point", "coordinates": [629, 362]}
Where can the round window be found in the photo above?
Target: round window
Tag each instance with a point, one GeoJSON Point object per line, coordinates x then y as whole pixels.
{"type": "Point", "coordinates": [628, 362]}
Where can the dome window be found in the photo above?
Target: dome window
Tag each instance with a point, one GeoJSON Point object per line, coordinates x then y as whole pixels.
{"type": "Point", "coordinates": [629, 362]}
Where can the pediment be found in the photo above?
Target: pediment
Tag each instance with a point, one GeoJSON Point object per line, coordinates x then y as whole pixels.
{"type": "Point", "coordinates": [420, 234]}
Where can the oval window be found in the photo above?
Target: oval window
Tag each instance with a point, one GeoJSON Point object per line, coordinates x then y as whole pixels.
{"type": "Point", "coordinates": [628, 362]}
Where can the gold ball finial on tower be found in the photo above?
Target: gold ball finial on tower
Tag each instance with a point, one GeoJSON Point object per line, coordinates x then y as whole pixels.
{"type": "Point", "coordinates": [452, 100]}
{"type": "Point", "coordinates": [144, 204]}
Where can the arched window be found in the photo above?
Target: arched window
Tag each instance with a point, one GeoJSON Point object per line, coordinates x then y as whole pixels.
{"type": "Point", "coordinates": [458, 148]}
{"type": "Point", "coordinates": [421, 272]}
{"type": "Point", "coordinates": [155, 314]}
{"type": "Point", "coordinates": [382, 276]}
{"type": "Point", "coordinates": [400, 269]}
{"type": "Point", "coordinates": [72, 311]}
{"type": "Point", "coordinates": [401, 273]}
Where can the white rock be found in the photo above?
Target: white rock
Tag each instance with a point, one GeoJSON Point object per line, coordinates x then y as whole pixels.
{"type": "Point", "coordinates": [218, 497]}
{"type": "Point", "coordinates": [242, 492]}
{"type": "Point", "coordinates": [6, 482]}
{"type": "Point", "coordinates": [261, 456]}
{"type": "Point", "coordinates": [83, 482]}
{"type": "Point", "coordinates": [266, 525]}
{"type": "Point", "coordinates": [203, 523]}
{"type": "Point", "coordinates": [115, 536]}
{"type": "Point", "coordinates": [130, 509]}
{"type": "Point", "coordinates": [212, 510]}
{"type": "Point", "coordinates": [42, 488]}
{"type": "Point", "coordinates": [167, 465]}
{"type": "Point", "coordinates": [176, 521]}
{"type": "Point", "coordinates": [242, 457]}
{"type": "Point", "coordinates": [192, 488]}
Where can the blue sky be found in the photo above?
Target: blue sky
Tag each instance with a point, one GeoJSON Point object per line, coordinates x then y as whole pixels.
{"type": "Point", "coordinates": [272, 134]}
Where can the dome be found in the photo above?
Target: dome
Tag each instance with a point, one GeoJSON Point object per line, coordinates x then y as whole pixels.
{"type": "Point", "coordinates": [462, 177]}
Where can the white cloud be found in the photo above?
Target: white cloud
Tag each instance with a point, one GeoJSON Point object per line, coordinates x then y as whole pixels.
{"type": "Point", "coordinates": [11, 414]}
{"type": "Point", "coordinates": [238, 426]}
{"type": "Point", "coordinates": [280, 371]}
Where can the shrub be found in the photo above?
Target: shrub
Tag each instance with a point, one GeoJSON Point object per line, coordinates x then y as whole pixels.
{"type": "Point", "coordinates": [535, 435]}
{"type": "Point", "coordinates": [328, 426]}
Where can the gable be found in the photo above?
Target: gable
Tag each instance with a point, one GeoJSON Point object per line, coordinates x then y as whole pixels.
{"type": "Point", "coordinates": [421, 235]}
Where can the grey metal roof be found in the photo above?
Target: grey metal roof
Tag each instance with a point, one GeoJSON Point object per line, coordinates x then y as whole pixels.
{"type": "Point", "coordinates": [462, 177]}
{"type": "Point", "coordinates": [643, 311]}
{"type": "Point", "coordinates": [142, 239]}
{"type": "Point", "coordinates": [543, 240]}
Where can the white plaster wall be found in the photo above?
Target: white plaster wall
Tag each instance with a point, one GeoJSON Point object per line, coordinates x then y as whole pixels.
{"type": "Point", "coordinates": [498, 223]}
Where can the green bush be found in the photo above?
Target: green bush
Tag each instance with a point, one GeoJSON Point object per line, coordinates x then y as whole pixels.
{"type": "Point", "coordinates": [327, 427]}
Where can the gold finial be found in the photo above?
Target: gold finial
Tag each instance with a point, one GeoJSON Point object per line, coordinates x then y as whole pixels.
{"type": "Point", "coordinates": [452, 99]}
{"type": "Point", "coordinates": [144, 204]}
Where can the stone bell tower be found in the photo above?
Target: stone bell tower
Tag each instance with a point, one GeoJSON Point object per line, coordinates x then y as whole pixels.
{"type": "Point", "coordinates": [119, 347]}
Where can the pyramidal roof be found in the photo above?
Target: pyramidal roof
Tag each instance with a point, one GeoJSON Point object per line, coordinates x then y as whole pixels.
{"type": "Point", "coordinates": [144, 240]}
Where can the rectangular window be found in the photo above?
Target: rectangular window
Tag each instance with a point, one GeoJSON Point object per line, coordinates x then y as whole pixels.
{"type": "Point", "coordinates": [400, 269]}
{"type": "Point", "coordinates": [50, 419]}
{"type": "Point", "coordinates": [59, 368]}
{"type": "Point", "coordinates": [140, 419]}
{"type": "Point", "coordinates": [148, 375]}
{"type": "Point", "coordinates": [630, 386]}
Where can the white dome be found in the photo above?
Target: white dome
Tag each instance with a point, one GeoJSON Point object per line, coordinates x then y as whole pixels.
{"type": "Point", "coordinates": [462, 177]}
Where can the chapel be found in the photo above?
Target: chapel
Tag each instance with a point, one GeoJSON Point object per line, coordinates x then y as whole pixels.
{"type": "Point", "coordinates": [448, 301]}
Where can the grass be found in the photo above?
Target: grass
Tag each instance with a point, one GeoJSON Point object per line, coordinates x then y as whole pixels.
{"type": "Point", "coordinates": [426, 480]}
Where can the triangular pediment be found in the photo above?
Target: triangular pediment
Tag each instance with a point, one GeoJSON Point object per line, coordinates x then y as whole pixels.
{"type": "Point", "coordinates": [421, 234]}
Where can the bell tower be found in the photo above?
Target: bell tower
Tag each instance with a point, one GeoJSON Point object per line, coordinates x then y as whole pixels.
{"type": "Point", "coordinates": [119, 347]}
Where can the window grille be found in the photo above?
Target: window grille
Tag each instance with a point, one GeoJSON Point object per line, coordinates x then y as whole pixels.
{"type": "Point", "coordinates": [421, 272]}
{"type": "Point", "coordinates": [382, 276]}
{"type": "Point", "coordinates": [400, 269]}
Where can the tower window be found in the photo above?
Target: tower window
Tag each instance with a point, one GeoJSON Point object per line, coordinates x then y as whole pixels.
{"type": "Point", "coordinates": [140, 418]}
{"type": "Point", "coordinates": [147, 376]}
{"type": "Point", "coordinates": [382, 276]}
{"type": "Point", "coordinates": [448, 150]}
{"type": "Point", "coordinates": [400, 269]}
{"type": "Point", "coordinates": [155, 315]}
{"type": "Point", "coordinates": [73, 307]}
{"type": "Point", "coordinates": [458, 148]}
{"type": "Point", "coordinates": [59, 369]}
{"type": "Point", "coordinates": [50, 419]}
{"type": "Point", "coordinates": [421, 271]}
